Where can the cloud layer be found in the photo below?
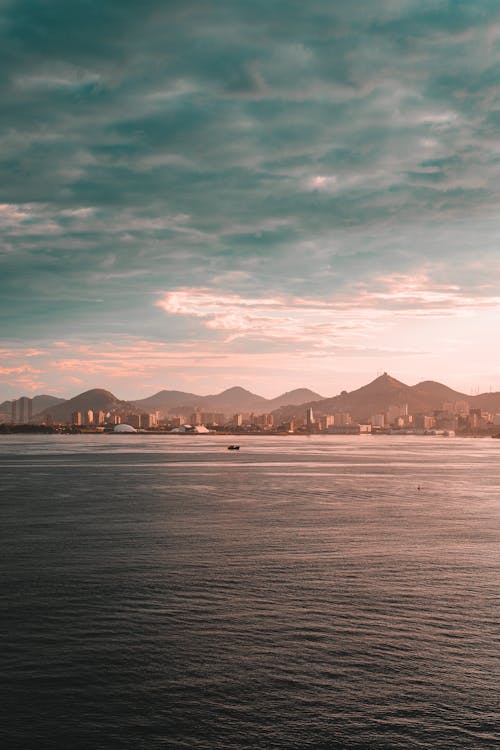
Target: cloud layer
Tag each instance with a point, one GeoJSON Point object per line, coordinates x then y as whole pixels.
{"type": "Point", "coordinates": [341, 160]}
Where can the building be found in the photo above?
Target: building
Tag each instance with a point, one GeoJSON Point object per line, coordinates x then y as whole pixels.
{"type": "Point", "coordinates": [22, 410]}
{"type": "Point", "coordinates": [196, 418]}
{"type": "Point", "coordinates": [424, 422]}
{"type": "Point", "coordinates": [346, 429]}
{"type": "Point", "coordinates": [264, 421]}
{"type": "Point", "coordinates": [148, 421]}
{"type": "Point", "coordinates": [378, 420]}
{"type": "Point", "coordinates": [395, 411]}
{"type": "Point", "coordinates": [342, 418]}
{"type": "Point", "coordinates": [76, 418]}
{"type": "Point", "coordinates": [461, 408]}
{"type": "Point", "coordinates": [309, 418]}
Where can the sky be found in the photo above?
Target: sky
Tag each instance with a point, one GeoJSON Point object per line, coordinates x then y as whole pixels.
{"type": "Point", "coordinates": [201, 194]}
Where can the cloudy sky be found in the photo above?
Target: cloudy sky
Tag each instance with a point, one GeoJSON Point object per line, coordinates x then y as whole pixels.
{"type": "Point", "coordinates": [200, 194]}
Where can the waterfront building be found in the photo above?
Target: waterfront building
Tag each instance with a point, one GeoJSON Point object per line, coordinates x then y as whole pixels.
{"type": "Point", "coordinates": [196, 418]}
{"type": "Point", "coordinates": [461, 408]}
{"type": "Point", "coordinates": [147, 421]}
{"type": "Point", "coordinates": [22, 410]}
{"type": "Point", "coordinates": [264, 420]}
{"type": "Point", "coordinates": [346, 429]}
{"type": "Point", "coordinates": [424, 422]}
{"type": "Point", "coordinates": [342, 418]}
{"type": "Point", "coordinates": [395, 411]}
{"type": "Point", "coordinates": [77, 418]}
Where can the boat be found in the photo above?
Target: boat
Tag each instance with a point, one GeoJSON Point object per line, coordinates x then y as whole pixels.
{"type": "Point", "coordinates": [233, 447]}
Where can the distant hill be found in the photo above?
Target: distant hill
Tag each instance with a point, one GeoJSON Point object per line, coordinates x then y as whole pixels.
{"type": "Point", "coordinates": [377, 396]}
{"type": "Point", "coordinates": [44, 402]}
{"type": "Point", "coordinates": [165, 400]}
{"type": "Point", "coordinates": [435, 394]}
{"type": "Point", "coordinates": [486, 401]}
{"type": "Point", "coordinates": [235, 399]}
{"type": "Point", "coordinates": [294, 398]}
{"type": "Point", "coordinates": [39, 404]}
{"type": "Point", "coordinates": [96, 398]}
{"type": "Point", "coordinates": [229, 401]}
{"type": "Point", "coordinates": [232, 400]}
{"type": "Point", "coordinates": [362, 403]}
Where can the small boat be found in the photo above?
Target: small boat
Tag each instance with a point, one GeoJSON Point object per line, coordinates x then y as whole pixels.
{"type": "Point", "coordinates": [233, 447]}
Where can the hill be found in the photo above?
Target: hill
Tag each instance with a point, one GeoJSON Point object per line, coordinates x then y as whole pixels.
{"type": "Point", "coordinates": [293, 398]}
{"type": "Point", "coordinates": [39, 404]}
{"type": "Point", "coordinates": [486, 401]}
{"type": "Point", "coordinates": [229, 401]}
{"type": "Point", "coordinates": [96, 398]}
{"type": "Point", "coordinates": [232, 400]}
{"type": "Point", "coordinates": [377, 396]}
{"type": "Point", "coordinates": [164, 401]}
{"type": "Point", "coordinates": [435, 394]}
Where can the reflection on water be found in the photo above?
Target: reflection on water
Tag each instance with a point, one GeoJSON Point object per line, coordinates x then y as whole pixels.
{"type": "Point", "coordinates": [162, 592]}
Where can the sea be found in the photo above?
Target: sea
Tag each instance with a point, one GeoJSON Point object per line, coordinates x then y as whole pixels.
{"type": "Point", "coordinates": [319, 593]}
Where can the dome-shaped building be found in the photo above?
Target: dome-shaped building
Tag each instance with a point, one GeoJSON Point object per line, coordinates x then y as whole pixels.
{"type": "Point", "coordinates": [124, 428]}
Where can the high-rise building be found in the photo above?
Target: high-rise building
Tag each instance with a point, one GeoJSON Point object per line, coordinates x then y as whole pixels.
{"type": "Point", "coordinates": [146, 421]}
{"type": "Point", "coordinates": [342, 418]}
{"type": "Point", "coordinates": [264, 420]}
{"type": "Point", "coordinates": [396, 410]}
{"type": "Point", "coordinates": [22, 410]}
{"type": "Point", "coordinates": [309, 418]}
{"type": "Point", "coordinates": [76, 418]}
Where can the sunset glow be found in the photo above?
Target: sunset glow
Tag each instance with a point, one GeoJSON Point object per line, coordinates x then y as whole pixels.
{"type": "Point", "coordinates": [274, 205]}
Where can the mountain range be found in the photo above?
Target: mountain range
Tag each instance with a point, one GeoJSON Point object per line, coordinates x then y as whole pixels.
{"type": "Point", "coordinates": [375, 397]}
{"type": "Point", "coordinates": [386, 391]}
{"type": "Point", "coordinates": [232, 400]}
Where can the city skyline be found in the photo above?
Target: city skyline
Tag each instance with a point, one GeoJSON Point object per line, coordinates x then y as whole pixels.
{"type": "Point", "coordinates": [195, 196]}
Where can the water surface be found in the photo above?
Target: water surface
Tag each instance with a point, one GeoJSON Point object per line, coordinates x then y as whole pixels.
{"type": "Point", "coordinates": [163, 592]}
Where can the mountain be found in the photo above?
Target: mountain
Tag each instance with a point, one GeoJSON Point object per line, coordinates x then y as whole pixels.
{"type": "Point", "coordinates": [435, 394]}
{"type": "Point", "coordinates": [44, 402]}
{"type": "Point", "coordinates": [232, 400]}
{"type": "Point", "coordinates": [370, 399]}
{"type": "Point", "coordinates": [166, 400]}
{"type": "Point", "coordinates": [40, 403]}
{"type": "Point", "coordinates": [229, 401]}
{"type": "Point", "coordinates": [362, 403]}
{"type": "Point", "coordinates": [487, 401]}
{"type": "Point", "coordinates": [235, 399]}
{"type": "Point", "coordinates": [385, 391]}
{"type": "Point", "coordinates": [96, 398]}
{"type": "Point", "coordinates": [293, 398]}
